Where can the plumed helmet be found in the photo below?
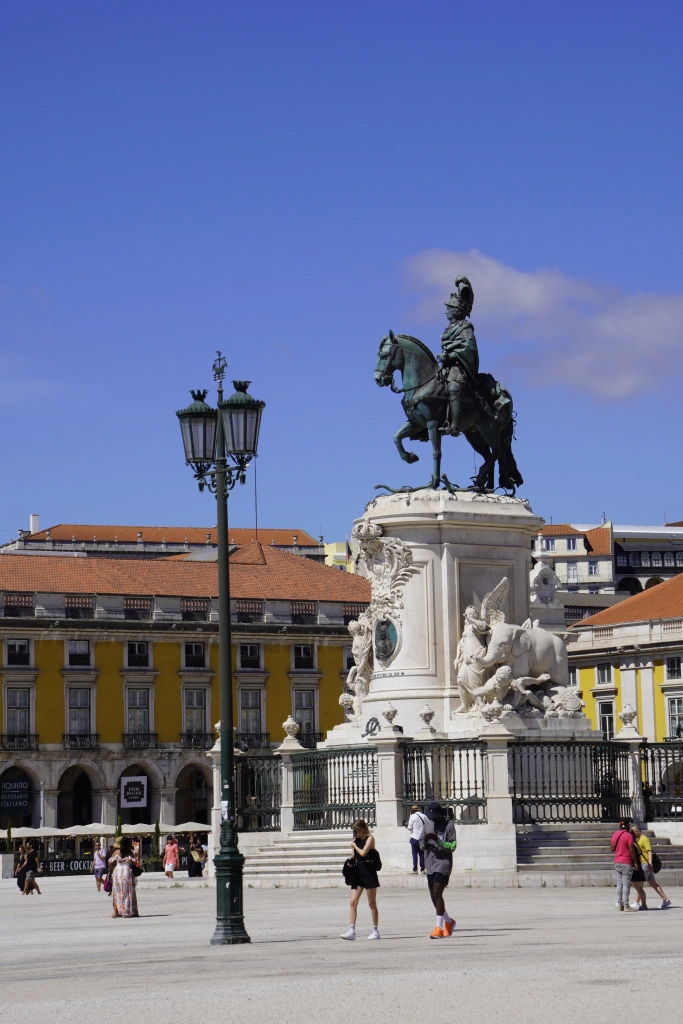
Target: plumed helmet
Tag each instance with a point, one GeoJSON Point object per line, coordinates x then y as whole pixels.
{"type": "Point", "coordinates": [463, 295]}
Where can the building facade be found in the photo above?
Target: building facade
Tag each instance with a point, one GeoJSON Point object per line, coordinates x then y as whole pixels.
{"type": "Point", "coordinates": [610, 558]}
{"type": "Point", "coordinates": [631, 654]}
{"type": "Point", "coordinates": [110, 673]}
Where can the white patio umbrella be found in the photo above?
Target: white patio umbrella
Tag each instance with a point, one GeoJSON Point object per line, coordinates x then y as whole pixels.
{"type": "Point", "coordinates": [191, 826]}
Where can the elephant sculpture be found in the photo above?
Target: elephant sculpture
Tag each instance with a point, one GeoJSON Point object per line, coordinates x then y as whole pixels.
{"type": "Point", "coordinates": [531, 655]}
{"type": "Point", "coordinates": [528, 651]}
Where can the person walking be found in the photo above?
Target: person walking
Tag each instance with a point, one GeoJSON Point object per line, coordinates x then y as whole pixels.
{"type": "Point", "coordinates": [99, 865]}
{"type": "Point", "coordinates": [416, 827]}
{"type": "Point", "coordinates": [21, 869]}
{"type": "Point", "coordinates": [363, 876]}
{"type": "Point", "coordinates": [646, 864]}
{"type": "Point", "coordinates": [122, 863]}
{"type": "Point", "coordinates": [439, 842]}
{"type": "Point", "coordinates": [195, 859]}
{"type": "Point", "coordinates": [171, 856]}
{"type": "Point", "coordinates": [32, 868]}
{"type": "Point", "coordinates": [626, 860]}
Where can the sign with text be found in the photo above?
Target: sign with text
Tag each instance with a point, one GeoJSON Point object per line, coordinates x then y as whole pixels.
{"type": "Point", "coordinates": [61, 868]}
{"type": "Point", "coordinates": [15, 795]}
{"type": "Point", "coordinates": [134, 791]}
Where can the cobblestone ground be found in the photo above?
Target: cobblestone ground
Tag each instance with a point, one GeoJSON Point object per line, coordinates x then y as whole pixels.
{"type": "Point", "coordinates": [533, 955]}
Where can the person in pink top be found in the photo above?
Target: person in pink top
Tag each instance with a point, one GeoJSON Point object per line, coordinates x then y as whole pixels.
{"type": "Point", "coordinates": [171, 856]}
{"type": "Point", "coordinates": [626, 859]}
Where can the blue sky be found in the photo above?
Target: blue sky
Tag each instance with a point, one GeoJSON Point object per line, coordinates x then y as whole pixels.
{"type": "Point", "coordinates": [286, 182]}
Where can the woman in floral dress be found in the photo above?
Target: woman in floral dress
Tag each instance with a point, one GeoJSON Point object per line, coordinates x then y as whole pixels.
{"type": "Point", "coordinates": [123, 881]}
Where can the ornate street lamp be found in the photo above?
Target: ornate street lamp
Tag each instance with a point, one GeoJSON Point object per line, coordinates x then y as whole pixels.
{"type": "Point", "coordinates": [209, 439]}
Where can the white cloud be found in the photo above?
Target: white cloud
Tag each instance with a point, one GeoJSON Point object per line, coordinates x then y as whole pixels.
{"type": "Point", "coordinates": [571, 331]}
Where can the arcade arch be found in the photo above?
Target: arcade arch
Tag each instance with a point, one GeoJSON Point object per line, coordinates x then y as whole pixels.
{"type": "Point", "coordinates": [194, 796]}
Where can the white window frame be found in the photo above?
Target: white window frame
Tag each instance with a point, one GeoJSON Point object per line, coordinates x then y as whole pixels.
{"type": "Point", "coordinates": [671, 697]}
{"type": "Point", "coordinates": [18, 639]}
{"type": "Point", "coordinates": [604, 703]}
{"type": "Point", "coordinates": [191, 684]}
{"type": "Point", "coordinates": [604, 682]}
{"type": "Point", "coordinates": [259, 647]}
{"type": "Point", "coordinates": [300, 684]}
{"type": "Point", "coordinates": [131, 684]}
{"type": "Point", "coordinates": [573, 674]}
{"type": "Point", "coordinates": [572, 572]}
{"type": "Point", "coordinates": [303, 671]}
{"type": "Point", "coordinates": [91, 654]}
{"type": "Point", "coordinates": [194, 668]}
{"type": "Point", "coordinates": [20, 684]}
{"type": "Point", "coordinates": [571, 544]}
{"type": "Point", "coordinates": [679, 677]}
{"type": "Point", "coordinates": [593, 569]}
{"type": "Point", "coordinates": [548, 543]}
{"type": "Point", "coordinates": [251, 686]}
{"type": "Point", "coordinates": [150, 656]}
{"type": "Point", "coordinates": [72, 683]}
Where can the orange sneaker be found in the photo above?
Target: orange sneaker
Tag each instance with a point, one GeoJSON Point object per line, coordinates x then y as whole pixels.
{"type": "Point", "coordinates": [437, 934]}
{"type": "Point", "coordinates": [448, 927]}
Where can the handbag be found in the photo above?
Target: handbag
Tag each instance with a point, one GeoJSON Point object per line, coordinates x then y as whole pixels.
{"type": "Point", "coordinates": [656, 863]}
{"type": "Point", "coordinates": [137, 871]}
{"type": "Point", "coordinates": [106, 884]}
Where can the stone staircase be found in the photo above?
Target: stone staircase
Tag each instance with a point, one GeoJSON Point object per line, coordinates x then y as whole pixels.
{"type": "Point", "coordinates": [296, 859]}
{"type": "Point", "coordinates": [573, 848]}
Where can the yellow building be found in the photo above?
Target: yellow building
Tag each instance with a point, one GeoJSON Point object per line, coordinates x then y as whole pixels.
{"type": "Point", "coordinates": [631, 654]}
{"type": "Point", "coordinates": [110, 672]}
{"type": "Point", "coordinates": [338, 554]}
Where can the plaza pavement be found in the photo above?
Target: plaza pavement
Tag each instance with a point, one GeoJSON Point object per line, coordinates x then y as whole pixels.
{"type": "Point", "coordinates": [532, 955]}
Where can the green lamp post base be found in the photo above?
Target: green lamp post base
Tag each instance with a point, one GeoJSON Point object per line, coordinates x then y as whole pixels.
{"type": "Point", "coordinates": [230, 930]}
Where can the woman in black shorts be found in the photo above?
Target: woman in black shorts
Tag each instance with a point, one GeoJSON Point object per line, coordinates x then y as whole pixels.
{"type": "Point", "coordinates": [364, 876]}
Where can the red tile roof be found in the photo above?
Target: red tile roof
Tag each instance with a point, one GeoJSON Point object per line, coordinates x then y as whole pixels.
{"type": "Point", "coordinates": [664, 601]}
{"type": "Point", "coordinates": [172, 534]}
{"type": "Point", "coordinates": [599, 540]}
{"type": "Point", "coordinates": [560, 530]}
{"type": "Point", "coordinates": [256, 571]}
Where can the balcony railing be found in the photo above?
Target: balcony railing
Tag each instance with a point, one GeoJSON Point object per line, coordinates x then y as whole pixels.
{"type": "Point", "coordinates": [140, 740]}
{"type": "Point", "coordinates": [25, 741]}
{"type": "Point", "coordinates": [196, 740]}
{"type": "Point", "coordinates": [252, 740]}
{"type": "Point", "coordinates": [309, 740]}
{"type": "Point", "coordinates": [81, 741]}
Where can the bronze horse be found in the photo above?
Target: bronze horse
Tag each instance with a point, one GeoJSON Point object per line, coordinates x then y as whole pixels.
{"type": "Point", "coordinates": [487, 418]}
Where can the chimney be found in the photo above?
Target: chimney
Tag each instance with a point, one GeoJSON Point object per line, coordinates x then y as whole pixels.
{"type": "Point", "coordinates": [34, 523]}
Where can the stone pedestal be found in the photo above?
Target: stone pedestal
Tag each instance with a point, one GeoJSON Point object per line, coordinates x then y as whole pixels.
{"type": "Point", "coordinates": [430, 554]}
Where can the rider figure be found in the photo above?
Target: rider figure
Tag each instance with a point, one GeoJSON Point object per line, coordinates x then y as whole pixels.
{"type": "Point", "coordinates": [459, 355]}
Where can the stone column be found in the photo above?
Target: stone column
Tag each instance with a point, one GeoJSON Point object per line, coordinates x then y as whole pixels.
{"type": "Point", "coordinates": [630, 736]}
{"type": "Point", "coordinates": [167, 805]}
{"type": "Point", "coordinates": [290, 745]}
{"type": "Point", "coordinates": [108, 801]}
{"type": "Point", "coordinates": [389, 799]}
{"type": "Point", "coordinates": [647, 699]}
{"type": "Point", "coordinates": [498, 783]}
{"type": "Point", "coordinates": [51, 802]}
{"type": "Point", "coordinates": [214, 756]}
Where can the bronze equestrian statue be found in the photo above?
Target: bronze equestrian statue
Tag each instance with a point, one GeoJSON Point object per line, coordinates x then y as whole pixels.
{"type": "Point", "coordinates": [451, 396]}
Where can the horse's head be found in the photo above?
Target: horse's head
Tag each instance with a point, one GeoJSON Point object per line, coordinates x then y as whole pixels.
{"type": "Point", "coordinates": [387, 360]}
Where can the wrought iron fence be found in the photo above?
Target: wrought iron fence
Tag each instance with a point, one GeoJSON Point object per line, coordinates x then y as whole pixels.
{"type": "Point", "coordinates": [570, 781]}
{"type": "Point", "coordinates": [258, 791]}
{"type": "Point", "coordinates": [451, 772]}
{"type": "Point", "coordinates": [662, 774]}
{"type": "Point", "coordinates": [334, 787]}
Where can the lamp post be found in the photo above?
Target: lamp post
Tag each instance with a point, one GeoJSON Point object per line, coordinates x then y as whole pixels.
{"type": "Point", "coordinates": [210, 438]}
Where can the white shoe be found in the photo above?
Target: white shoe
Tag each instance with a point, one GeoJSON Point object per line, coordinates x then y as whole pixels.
{"type": "Point", "coordinates": [634, 906]}
{"type": "Point", "coordinates": [374, 935]}
{"type": "Point", "coordinates": [351, 934]}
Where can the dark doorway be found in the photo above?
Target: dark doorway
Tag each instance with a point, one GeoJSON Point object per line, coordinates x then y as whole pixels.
{"type": "Point", "coordinates": [82, 800]}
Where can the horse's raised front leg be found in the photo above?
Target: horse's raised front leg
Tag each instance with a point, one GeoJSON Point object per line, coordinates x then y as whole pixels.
{"type": "Point", "coordinates": [435, 438]}
{"type": "Point", "coordinates": [405, 431]}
